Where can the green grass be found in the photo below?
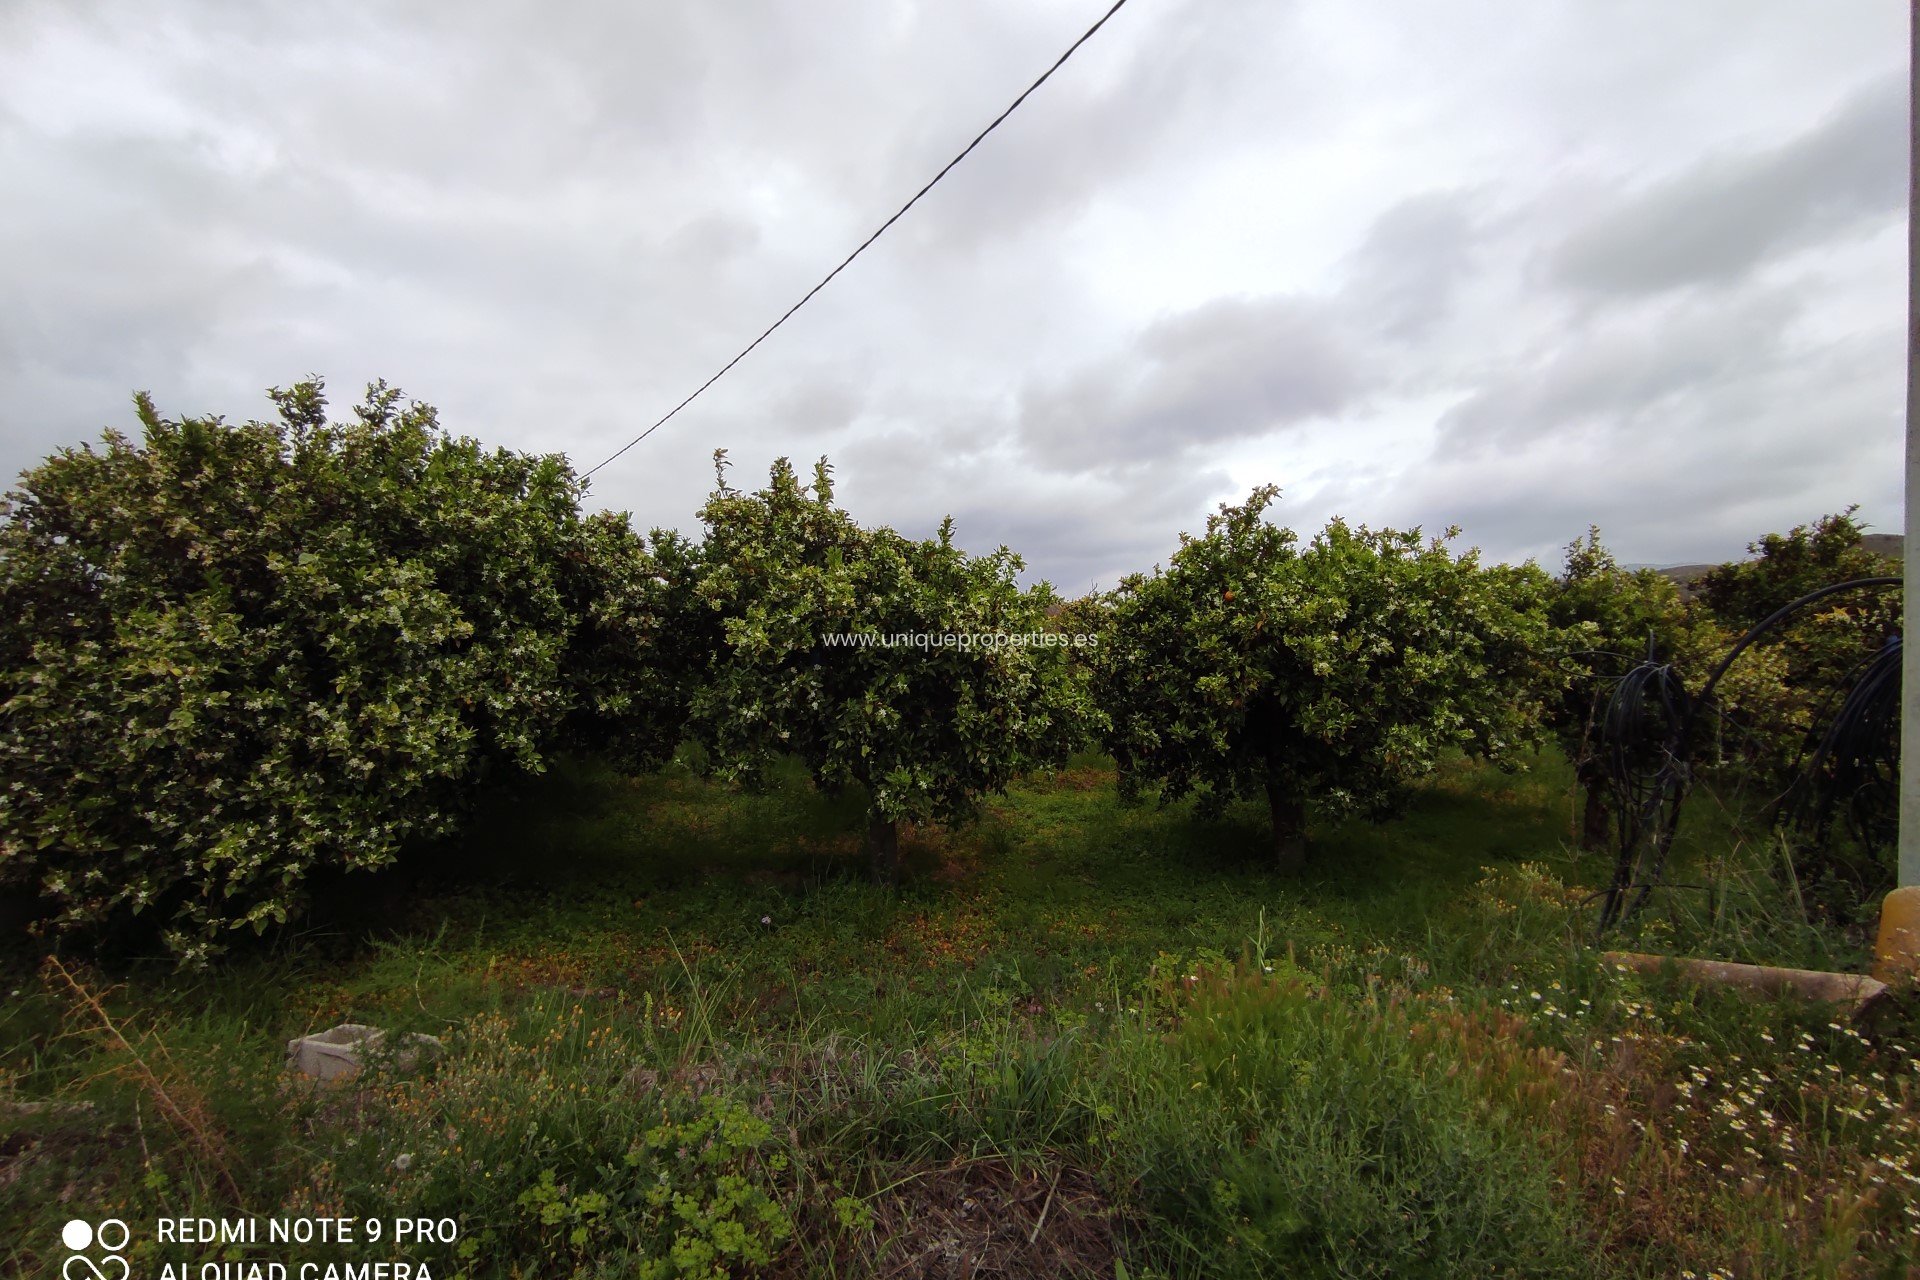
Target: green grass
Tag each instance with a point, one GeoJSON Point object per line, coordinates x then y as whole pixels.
{"type": "Point", "coordinates": [1113, 1031]}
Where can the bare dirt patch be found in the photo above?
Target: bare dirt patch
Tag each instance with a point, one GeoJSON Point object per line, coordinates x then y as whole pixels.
{"type": "Point", "coordinates": [984, 1218]}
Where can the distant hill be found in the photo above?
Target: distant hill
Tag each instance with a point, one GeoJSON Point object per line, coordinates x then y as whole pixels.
{"type": "Point", "coordinates": [1687, 575]}
{"type": "Point", "coordinates": [1886, 544]}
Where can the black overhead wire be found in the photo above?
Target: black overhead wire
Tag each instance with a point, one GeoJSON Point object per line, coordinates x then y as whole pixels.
{"type": "Point", "coordinates": [967, 150]}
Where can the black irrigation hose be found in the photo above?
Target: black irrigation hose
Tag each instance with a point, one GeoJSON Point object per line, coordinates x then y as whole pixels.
{"type": "Point", "coordinates": [1647, 740]}
{"type": "Point", "coordinates": [1642, 733]}
{"type": "Point", "coordinates": [1856, 760]}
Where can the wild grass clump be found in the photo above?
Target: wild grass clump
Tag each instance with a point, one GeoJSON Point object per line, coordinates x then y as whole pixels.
{"type": "Point", "coordinates": [1272, 1127]}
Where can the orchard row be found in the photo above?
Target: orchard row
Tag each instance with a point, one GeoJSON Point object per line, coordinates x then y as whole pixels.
{"type": "Point", "coordinates": [231, 656]}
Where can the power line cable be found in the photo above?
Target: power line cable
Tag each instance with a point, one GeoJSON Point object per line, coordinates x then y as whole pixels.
{"type": "Point", "coordinates": [1058, 63]}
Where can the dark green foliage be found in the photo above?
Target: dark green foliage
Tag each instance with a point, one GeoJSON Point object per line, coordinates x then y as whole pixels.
{"type": "Point", "coordinates": [1788, 565]}
{"type": "Point", "coordinates": [1618, 613]}
{"type": "Point", "coordinates": [1821, 646]}
{"type": "Point", "coordinates": [230, 656]}
{"type": "Point", "coordinates": [1813, 653]}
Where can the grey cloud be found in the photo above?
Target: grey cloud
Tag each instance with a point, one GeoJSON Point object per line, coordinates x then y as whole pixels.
{"type": "Point", "coordinates": [264, 226]}
{"type": "Point", "coordinates": [1402, 278]}
{"type": "Point", "coordinates": [555, 224]}
{"type": "Point", "coordinates": [818, 410]}
{"type": "Point", "coordinates": [1724, 216]}
{"type": "Point", "coordinates": [1240, 368]}
{"type": "Point", "coordinates": [1622, 369]}
{"type": "Point", "coordinates": [1075, 530]}
{"type": "Point", "coordinates": [1165, 79]}
{"type": "Point", "coordinates": [1231, 369]}
{"type": "Point", "coordinates": [1697, 481]}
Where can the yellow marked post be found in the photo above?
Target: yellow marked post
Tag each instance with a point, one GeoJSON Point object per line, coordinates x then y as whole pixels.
{"type": "Point", "coordinates": [1896, 954]}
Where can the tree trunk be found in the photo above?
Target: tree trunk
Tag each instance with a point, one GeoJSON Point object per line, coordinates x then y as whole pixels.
{"type": "Point", "coordinates": [1594, 821]}
{"type": "Point", "coordinates": [1289, 826]}
{"type": "Point", "coordinates": [883, 848]}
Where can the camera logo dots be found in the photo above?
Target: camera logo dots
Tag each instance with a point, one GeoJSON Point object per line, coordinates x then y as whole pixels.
{"type": "Point", "coordinates": [79, 1235]}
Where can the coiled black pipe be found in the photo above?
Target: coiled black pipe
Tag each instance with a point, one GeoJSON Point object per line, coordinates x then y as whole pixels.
{"type": "Point", "coordinates": [1647, 738]}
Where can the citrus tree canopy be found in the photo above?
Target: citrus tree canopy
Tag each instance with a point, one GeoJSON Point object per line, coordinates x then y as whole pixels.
{"type": "Point", "coordinates": [905, 667]}
{"type": "Point", "coordinates": [233, 655]}
{"type": "Point", "coordinates": [1329, 674]}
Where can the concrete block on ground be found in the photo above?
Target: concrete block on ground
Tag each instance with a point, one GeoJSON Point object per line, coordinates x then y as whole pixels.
{"type": "Point", "coordinates": [341, 1052]}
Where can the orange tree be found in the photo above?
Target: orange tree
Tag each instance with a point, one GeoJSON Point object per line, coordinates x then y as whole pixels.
{"type": "Point", "coordinates": [1821, 648]}
{"type": "Point", "coordinates": [1786, 566]}
{"type": "Point", "coordinates": [1777, 689]}
{"type": "Point", "coordinates": [231, 656]}
{"type": "Point", "coordinates": [1327, 675]}
{"type": "Point", "coordinates": [910, 669]}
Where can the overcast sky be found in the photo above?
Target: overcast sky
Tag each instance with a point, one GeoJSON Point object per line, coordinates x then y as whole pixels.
{"type": "Point", "coordinates": [1518, 266]}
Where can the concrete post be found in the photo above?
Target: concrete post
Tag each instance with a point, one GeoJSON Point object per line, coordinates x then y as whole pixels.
{"type": "Point", "coordinates": [1898, 950]}
{"type": "Point", "coordinates": [1910, 669]}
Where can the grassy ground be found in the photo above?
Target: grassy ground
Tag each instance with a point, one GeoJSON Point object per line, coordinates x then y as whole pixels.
{"type": "Point", "coordinates": [684, 1037]}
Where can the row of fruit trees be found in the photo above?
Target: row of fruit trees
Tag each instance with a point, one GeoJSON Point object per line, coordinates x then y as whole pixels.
{"type": "Point", "coordinates": [231, 656]}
